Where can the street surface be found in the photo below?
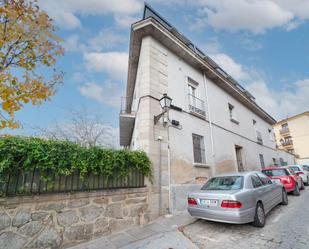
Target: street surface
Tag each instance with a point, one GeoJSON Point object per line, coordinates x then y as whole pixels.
{"type": "Point", "coordinates": [286, 227]}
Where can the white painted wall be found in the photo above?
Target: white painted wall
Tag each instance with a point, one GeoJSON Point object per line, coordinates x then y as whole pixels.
{"type": "Point", "coordinates": [226, 133]}
{"type": "Point", "coordinates": [178, 71]}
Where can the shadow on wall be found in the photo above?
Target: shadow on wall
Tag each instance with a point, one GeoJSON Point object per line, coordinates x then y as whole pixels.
{"type": "Point", "coordinates": [183, 172]}
{"type": "Point", "coordinates": [180, 194]}
{"type": "Point", "coordinates": [225, 166]}
{"type": "Point", "coordinates": [228, 166]}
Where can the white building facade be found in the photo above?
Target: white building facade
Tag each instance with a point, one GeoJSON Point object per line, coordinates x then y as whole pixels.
{"type": "Point", "coordinates": [214, 125]}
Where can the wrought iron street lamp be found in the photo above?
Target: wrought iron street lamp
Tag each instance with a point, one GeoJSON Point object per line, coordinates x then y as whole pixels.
{"type": "Point", "coordinates": [165, 103]}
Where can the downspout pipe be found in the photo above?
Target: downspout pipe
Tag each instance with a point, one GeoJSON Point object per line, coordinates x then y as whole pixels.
{"type": "Point", "coordinates": [170, 208]}
{"type": "Point", "coordinates": [160, 177]}
{"type": "Point", "coordinates": [210, 125]}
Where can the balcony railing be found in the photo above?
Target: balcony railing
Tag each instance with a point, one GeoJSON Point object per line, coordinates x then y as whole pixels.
{"type": "Point", "coordinates": [259, 137]}
{"type": "Point", "coordinates": [125, 105]}
{"type": "Point", "coordinates": [287, 143]}
{"type": "Point", "coordinates": [196, 105]}
{"type": "Point", "coordinates": [284, 130]}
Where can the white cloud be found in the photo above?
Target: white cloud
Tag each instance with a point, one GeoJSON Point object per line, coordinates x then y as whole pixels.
{"type": "Point", "coordinates": [65, 12]}
{"type": "Point", "coordinates": [106, 39]}
{"type": "Point", "coordinates": [254, 15]}
{"type": "Point", "coordinates": [125, 21]}
{"type": "Point", "coordinates": [280, 103]}
{"type": "Point", "coordinates": [62, 16]}
{"type": "Point", "coordinates": [113, 63]}
{"type": "Point", "coordinates": [233, 68]}
{"type": "Point", "coordinates": [293, 25]}
{"type": "Point", "coordinates": [73, 44]}
{"type": "Point", "coordinates": [300, 8]}
{"type": "Point", "coordinates": [108, 93]}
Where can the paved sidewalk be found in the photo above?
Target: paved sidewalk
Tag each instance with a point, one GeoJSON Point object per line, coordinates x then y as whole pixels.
{"type": "Point", "coordinates": [162, 233]}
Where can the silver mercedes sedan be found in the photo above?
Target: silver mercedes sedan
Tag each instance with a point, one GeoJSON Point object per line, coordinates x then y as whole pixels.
{"type": "Point", "coordinates": [237, 198]}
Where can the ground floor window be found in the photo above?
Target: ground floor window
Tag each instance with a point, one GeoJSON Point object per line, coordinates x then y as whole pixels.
{"type": "Point", "coordinates": [198, 149]}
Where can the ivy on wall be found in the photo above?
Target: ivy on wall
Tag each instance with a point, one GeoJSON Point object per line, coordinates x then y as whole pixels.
{"type": "Point", "coordinates": [63, 158]}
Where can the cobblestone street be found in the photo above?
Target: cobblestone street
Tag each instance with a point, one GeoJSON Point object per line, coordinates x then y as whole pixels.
{"type": "Point", "coordinates": [286, 227]}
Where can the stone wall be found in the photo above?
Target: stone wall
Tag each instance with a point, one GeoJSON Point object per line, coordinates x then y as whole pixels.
{"type": "Point", "coordinates": [152, 80]}
{"type": "Point", "coordinates": [62, 220]}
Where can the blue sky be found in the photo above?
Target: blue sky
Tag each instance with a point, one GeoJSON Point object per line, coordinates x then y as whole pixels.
{"type": "Point", "coordinates": [263, 44]}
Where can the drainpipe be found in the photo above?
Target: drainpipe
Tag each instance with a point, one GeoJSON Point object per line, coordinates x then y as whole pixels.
{"type": "Point", "coordinates": [210, 125]}
{"type": "Point", "coordinates": [167, 125]}
{"type": "Point", "coordinates": [170, 209]}
{"type": "Point", "coordinates": [160, 177]}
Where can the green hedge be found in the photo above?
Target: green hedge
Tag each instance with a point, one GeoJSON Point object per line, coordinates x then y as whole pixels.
{"type": "Point", "coordinates": [63, 158]}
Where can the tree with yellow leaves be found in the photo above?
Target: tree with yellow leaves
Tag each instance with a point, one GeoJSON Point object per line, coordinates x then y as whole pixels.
{"type": "Point", "coordinates": [28, 44]}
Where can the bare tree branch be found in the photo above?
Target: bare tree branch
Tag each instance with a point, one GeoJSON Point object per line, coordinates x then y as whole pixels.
{"type": "Point", "coordinates": [83, 128]}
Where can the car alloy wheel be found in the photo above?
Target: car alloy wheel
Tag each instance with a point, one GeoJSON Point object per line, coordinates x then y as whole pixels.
{"type": "Point", "coordinates": [259, 218]}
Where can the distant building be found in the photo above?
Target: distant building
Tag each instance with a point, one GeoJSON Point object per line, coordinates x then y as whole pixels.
{"type": "Point", "coordinates": [214, 127]}
{"type": "Point", "coordinates": [292, 135]}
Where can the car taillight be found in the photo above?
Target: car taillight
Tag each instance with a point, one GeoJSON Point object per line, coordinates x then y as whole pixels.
{"type": "Point", "coordinates": [286, 180]}
{"type": "Point", "coordinates": [192, 201]}
{"type": "Point", "coordinates": [231, 204]}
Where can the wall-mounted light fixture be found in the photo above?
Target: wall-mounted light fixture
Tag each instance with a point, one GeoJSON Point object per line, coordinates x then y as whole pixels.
{"type": "Point", "coordinates": [165, 103]}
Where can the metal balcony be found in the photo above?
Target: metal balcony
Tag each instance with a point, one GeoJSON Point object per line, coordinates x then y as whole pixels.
{"type": "Point", "coordinates": [196, 105]}
{"type": "Point", "coordinates": [287, 143]}
{"type": "Point", "coordinates": [126, 121]}
{"type": "Point", "coordinates": [284, 130]}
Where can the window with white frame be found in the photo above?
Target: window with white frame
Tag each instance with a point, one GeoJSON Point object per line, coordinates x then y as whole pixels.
{"type": "Point", "coordinates": [271, 135]}
{"type": "Point", "coordinates": [196, 105]}
{"type": "Point", "coordinates": [192, 90]}
{"type": "Point", "coordinates": [232, 113]}
{"type": "Point", "coordinates": [198, 149]}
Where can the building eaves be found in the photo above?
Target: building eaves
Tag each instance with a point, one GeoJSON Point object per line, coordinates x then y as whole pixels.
{"type": "Point", "coordinates": [154, 25]}
{"type": "Point", "coordinates": [306, 113]}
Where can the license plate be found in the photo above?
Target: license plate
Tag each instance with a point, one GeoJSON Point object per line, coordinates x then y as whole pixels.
{"type": "Point", "coordinates": [210, 203]}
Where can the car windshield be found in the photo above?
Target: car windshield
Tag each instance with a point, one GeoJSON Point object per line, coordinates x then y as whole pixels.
{"type": "Point", "coordinates": [295, 168]}
{"type": "Point", "coordinates": [224, 183]}
{"type": "Point", "coordinates": [275, 172]}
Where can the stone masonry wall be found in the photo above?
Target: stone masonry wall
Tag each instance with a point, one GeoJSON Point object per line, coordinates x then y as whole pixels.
{"type": "Point", "coordinates": [62, 220]}
{"type": "Point", "coordinates": [152, 79]}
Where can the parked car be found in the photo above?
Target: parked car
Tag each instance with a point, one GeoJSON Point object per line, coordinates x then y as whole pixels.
{"type": "Point", "coordinates": [306, 167]}
{"type": "Point", "coordinates": [291, 181]}
{"type": "Point", "coordinates": [300, 170]}
{"type": "Point", "coordinates": [238, 198]}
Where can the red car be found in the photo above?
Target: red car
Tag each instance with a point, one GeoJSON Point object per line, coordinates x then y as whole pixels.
{"type": "Point", "coordinates": [291, 181]}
